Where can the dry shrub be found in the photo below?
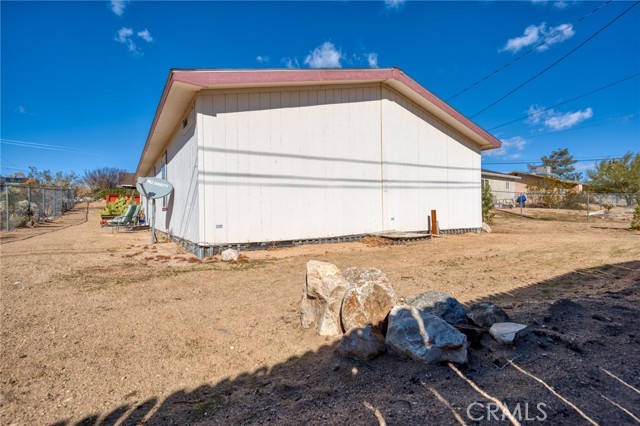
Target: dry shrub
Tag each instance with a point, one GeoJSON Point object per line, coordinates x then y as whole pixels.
{"type": "Point", "coordinates": [194, 260]}
{"type": "Point", "coordinates": [373, 241]}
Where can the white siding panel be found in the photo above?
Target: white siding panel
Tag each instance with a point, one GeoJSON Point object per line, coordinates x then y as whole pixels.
{"type": "Point", "coordinates": [426, 166]}
{"type": "Point", "coordinates": [291, 164]}
{"type": "Point", "coordinates": [182, 215]}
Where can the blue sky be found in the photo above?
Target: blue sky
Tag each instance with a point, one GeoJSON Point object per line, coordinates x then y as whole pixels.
{"type": "Point", "coordinates": [81, 80]}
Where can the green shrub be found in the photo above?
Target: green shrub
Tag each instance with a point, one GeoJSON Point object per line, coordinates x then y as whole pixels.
{"type": "Point", "coordinates": [487, 204]}
{"type": "Point", "coordinates": [635, 222]}
{"type": "Point", "coordinates": [117, 207]}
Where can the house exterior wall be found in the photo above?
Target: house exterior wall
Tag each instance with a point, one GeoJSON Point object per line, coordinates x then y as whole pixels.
{"type": "Point", "coordinates": [502, 189]}
{"type": "Point", "coordinates": [320, 162]}
{"type": "Point", "coordinates": [178, 214]}
{"type": "Point", "coordinates": [426, 166]}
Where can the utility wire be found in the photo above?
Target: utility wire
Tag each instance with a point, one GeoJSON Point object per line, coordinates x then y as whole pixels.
{"type": "Point", "coordinates": [567, 101]}
{"type": "Point", "coordinates": [533, 49]}
{"type": "Point", "coordinates": [613, 120]}
{"type": "Point", "coordinates": [36, 145]}
{"type": "Point", "coordinates": [563, 57]}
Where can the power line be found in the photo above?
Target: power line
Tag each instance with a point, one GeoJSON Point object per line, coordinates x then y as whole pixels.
{"type": "Point", "coordinates": [533, 49]}
{"type": "Point", "coordinates": [566, 102]}
{"type": "Point", "coordinates": [50, 147]}
{"type": "Point", "coordinates": [563, 57]}
{"type": "Point", "coordinates": [594, 123]}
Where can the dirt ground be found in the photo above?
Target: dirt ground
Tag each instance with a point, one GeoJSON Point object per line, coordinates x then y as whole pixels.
{"type": "Point", "coordinates": [103, 328]}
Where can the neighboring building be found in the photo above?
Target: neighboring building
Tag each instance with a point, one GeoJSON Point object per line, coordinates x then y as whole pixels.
{"type": "Point", "coordinates": [503, 187]}
{"type": "Point", "coordinates": [261, 156]}
{"type": "Point", "coordinates": [527, 179]}
{"type": "Point", "coordinates": [125, 180]}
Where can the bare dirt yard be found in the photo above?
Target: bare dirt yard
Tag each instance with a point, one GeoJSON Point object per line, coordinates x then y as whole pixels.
{"type": "Point", "coordinates": [102, 328]}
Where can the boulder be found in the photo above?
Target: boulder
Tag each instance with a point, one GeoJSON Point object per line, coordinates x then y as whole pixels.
{"type": "Point", "coordinates": [322, 296]}
{"type": "Point", "coordinates": [362, 343]}
{"type": "Point", "coordinates": [440, 304]}
{"type": "Point", "coordinates": [486, 314]}
{"type": "Point", "coordinates": [368, 299]}
{"type": "Point", "coordinates": [422, 336]}
{"type": "Point", "coordinates": [474, 334]}
{"type": "Point", "coordinates": [486, 228]}
{"type": "Point", "coordinates": [230, 255]}
{"type": "Point", "coordinates": [508, 333]}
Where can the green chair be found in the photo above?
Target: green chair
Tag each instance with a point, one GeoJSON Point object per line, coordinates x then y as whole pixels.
{"type": "Point", "coordinates": [128, 219]}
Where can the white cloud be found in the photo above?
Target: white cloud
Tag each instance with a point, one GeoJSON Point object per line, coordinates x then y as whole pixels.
{"type": "Point", "coordinates": [290, 62]}
{"type": "Point", "coordinates": [263, 59]}
{"type": "Point", "coordinates": [124, 37]}
{"type": "Point", "coordinates": [145, 35]}
{"type": "Point", "coordinates": [555, 120]}
{"type": "Point", "coordinates": [534, 34]}
{"type": "Point", "coordinates": [511, 148]}
{"type": "Point", "coordinates": [118, 6]}
{"type": "Point", "coordinates": [560, 4]}
{"type": "Point", "coordinates": [324, 56]}
{"type": "Point", "coordinates": [394, 4]}
{"type": "Point", "coordinates": [567, 120]}
{"type": "Point", "coordinates": [372, 58]}
{"type": "Point", "coordinates": [21, 110]}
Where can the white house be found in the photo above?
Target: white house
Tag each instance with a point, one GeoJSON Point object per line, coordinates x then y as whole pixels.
{"type": "Point", "coordinates": [266, 156]}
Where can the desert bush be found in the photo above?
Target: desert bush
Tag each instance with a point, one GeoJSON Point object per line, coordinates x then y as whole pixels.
{"type": "Point", "coordinates": [487, 204]}
{"type": "Point", "coordinates": [635, 222]}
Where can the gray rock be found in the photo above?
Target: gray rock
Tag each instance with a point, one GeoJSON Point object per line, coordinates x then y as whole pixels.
{"type": "Point", "coordinates": [421, 336]}
{"type": "Point", "coordinates": [368, 299]}
{"type": "Point", "coordinates": [486, 314]}
{"type": "Point", "coordinates": [486, 228]}
{"type": "Point", "coordinates": [508, 333]}
{"type": "Point", "coordinates": [322, 295]}
{"type": "Point", "coordinates": [440, 304]}
{"type": "Point", "coordinates": [230, 255]}
{"type": "Point", "coordinates": [362, 343]}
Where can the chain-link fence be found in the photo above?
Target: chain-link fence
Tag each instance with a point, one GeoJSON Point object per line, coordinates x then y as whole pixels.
{"type": "Point", "coordinates": [590, 204]}
{"type": "Point", "coordinates": [23, 205]}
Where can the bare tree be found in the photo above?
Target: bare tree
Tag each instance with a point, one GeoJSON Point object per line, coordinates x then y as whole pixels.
{"type": "Point", "coordinates": [102, 178]}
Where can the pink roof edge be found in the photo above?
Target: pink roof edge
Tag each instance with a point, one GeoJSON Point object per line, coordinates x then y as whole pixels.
{"type": "Point", "coordinates": [207, 78]}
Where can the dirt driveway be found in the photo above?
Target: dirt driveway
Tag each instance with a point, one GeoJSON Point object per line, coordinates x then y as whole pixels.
{"type": "Point", "coordinates": [104, 328]}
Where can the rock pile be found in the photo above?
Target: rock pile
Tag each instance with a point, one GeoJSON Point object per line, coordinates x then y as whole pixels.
{"type": "Point", "coordinates": [361, 305]}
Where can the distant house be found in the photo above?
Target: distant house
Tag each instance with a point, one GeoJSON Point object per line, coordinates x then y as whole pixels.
{"type": "Point", "coordinates": [503, 187]}
{"type": "Point", "coordinates": [15, 178]}
{"type": "Point", "coordinates": [125, 180]}
{"type": "Point", "coordinates": [261, 156]}
{"type": "Point", "coordinates": [536, 180]}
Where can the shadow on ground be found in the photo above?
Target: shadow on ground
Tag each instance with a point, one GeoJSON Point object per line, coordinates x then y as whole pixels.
{"type": "Point", "coordinates": [581, 362]}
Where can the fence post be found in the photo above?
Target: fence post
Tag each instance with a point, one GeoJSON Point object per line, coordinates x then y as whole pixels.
{"type": "Point", "coordinates": [588, 207]}
{"type": "Point", "coordinates": [55, 205]}
{"type": "Point", "coordinates": [6, 205]}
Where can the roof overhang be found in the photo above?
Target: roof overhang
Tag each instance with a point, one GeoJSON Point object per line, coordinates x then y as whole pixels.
{"type": "Point", "coordinates": [182, 86]}
{"type": "Point", "coordinates": [488, 173]}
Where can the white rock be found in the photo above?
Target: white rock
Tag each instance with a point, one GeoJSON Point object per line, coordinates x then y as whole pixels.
{"type": "Point", "coordinates": [508, 333]}
{"type": "Point", "coordinates": [322, 295]}
{"type": "Point", "coordinates": [486, 228]}
{"type": "Point", "coordinates": [230, 255]}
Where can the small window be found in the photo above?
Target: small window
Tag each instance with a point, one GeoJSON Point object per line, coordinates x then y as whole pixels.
{"type": "Point", "coordinates": [508, 185]}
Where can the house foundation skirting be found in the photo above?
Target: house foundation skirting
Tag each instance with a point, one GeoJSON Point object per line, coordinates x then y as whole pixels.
{"type": "Point", "coordinates": [202, 251]}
